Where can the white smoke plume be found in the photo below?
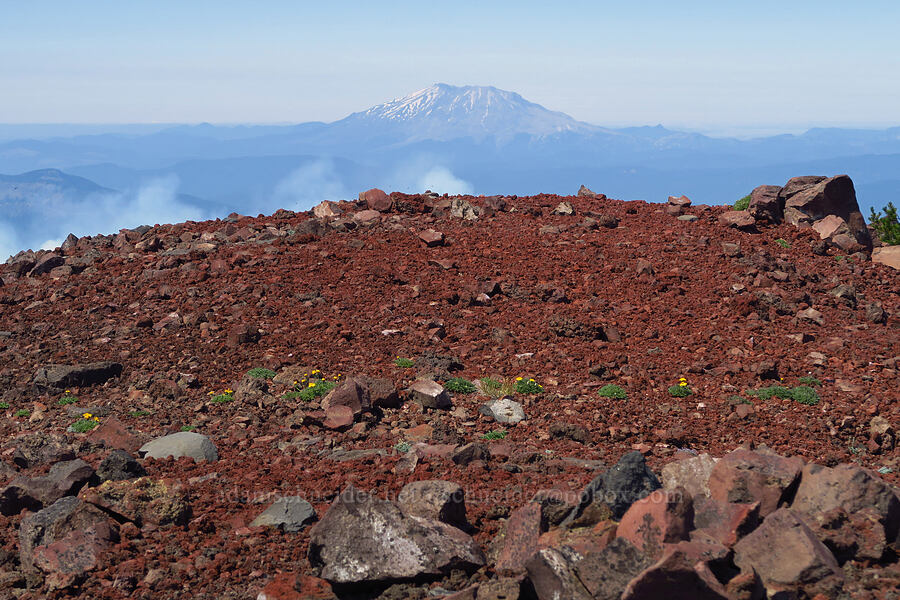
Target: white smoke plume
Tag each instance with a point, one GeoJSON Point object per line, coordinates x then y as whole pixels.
{"type": "Point", "coordinates": [307, 186]}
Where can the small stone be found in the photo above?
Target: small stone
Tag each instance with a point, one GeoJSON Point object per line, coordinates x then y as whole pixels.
{"type": "Point", "coordinates": [429, 394]}
{"type": "Point", "coordinates": [432, 238]}
{"type": "Point", "coordinates": [504, 410]}
{"type": "Point", "coordinates": [289, 513]}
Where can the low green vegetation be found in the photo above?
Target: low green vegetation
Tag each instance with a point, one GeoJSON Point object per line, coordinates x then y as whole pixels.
{"type": "Point", "coordinates": [402, 447]}
{"type": "Point", "coordinates": [783, 243]}
{"type": "Point", "coordinates": [809, 380]}
{"type": "Point", "coordinates": [496, 388]}
{"type": "Point", "coordinates": [496, 434]}
{"type": "Point", "coordinates": [139, 413]}
{"type": "Point", "coordinates": [188, 427]}
{"type": "Point", "coordinates": [4, 405]}
{"type": "Point", "coordinates": [261, 373]}
{"type": "Point", "coordinates": [802, 394]}
{"type": "Point", "coordinates": [22, 412]}
{"type": "Point", "coordinates": [458, 385]}
{"type": "Point", "coordinates": [85, 424]}
{"type": "Point", "coordinates": [404, 363]}
{"type": "Point", "coordinates": [743, 203]}
{"type": "Point", "coordinates": [226, 396]}
{"type": "Point", "coordinates": [67, 400]}
{"type": "Point", "coordinates": [886, 225]}
{"type": "Point", "coordinates": [528, 386]}
{"type": "Point", "coordinates": [612, 391]}
{"type": "Point", "coordinates": [314, 389]}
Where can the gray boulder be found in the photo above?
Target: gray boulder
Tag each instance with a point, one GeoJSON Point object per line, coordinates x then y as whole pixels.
{"type": "Point", "coordinates": [183, 443]}
{"type": "Point", "coordinates": [429, 394]}
{"type": "Point", "coordinates": [63, 376]}
{"type": "Point", "coordinates": [290, 513]}
{"type": "Point", "coordinates": [613, 492]}
{"type": "Point", "coordinates": [363, 539]}
{"type": "Point", "coordinates": [504, 410]}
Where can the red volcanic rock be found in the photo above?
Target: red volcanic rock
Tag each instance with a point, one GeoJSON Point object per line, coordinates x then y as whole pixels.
{"type": "Point", "coordinates": [432, 238]}
{"type": "Point", "coordinates": [725, 522]}
{"type": "Point", "coordinates": [367, 216]}
{"type": "Point", "coordinates": [338, 417]}
{"type": "Point", "coordinates": [376, 199]}
{"type": "Point", "coordinates": [680, 201]}
{"type": "Point", "coordinates": [815, 200]}
{"type": "Point", "coordinates": [765, 205]}
{"type": "Point", "coordinates": [663, 517]}
{"type": "Point", "coordinates": [676, 576]}
{"type": "Point", "coordinates": [745, 476]}
{"type": "Point", "coordinates": [112, 433]}
{"type": "Point", "coordinates": [520, 539]}
{"type": "Point", "coordinates": [291, 586]}
{"type": "Point", "coordinates": [241, 334]}
{"type": "Point", "coordinates": [740, 219]}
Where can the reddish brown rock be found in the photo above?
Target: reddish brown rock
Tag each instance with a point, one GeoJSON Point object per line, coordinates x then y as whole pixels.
{"type": "Point", "coordinates": [745, 476]}
{"type": "Point", "coordinates": [376, 200]}
{"type": "Point", "coordinates": [679, 201]}
{"type": "Point", "coordinates": [350, 393]}
{"type": "Point", "coordinates": [367, 216]}
{"type": "Point", "coordinates": [741, 219]}
{"type": "Point", "coordinates": [827, 197]}
{"type": "Point", "coordinates": [291, 586]}
{"type": "Point", "coordinates": [520, 539]}
{"type": "Point", "coordinates": [432, 238]}
{"type": "Point", "coordinates": [78, 551]}
{"type": "Point", "coordinates": [888, 256]}
{"type": "Point", "coordinates": [663, 517]}
{"type": "Point", "coordinates": [726, 522]}
{"type": "Point", "coordinates": [764, 204]}
{"type": "Point", "coordinates": [786, 555]}
{"type": "Point", "coordinates": [676, 576]}
{"type": "Point", "coordinates": [112, 433]}
{"type": "Point", "coordinates": [338, 417]}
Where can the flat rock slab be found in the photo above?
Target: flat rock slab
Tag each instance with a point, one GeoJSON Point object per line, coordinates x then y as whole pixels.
{"type": "Point", "coordinates": [363, 539]}
{"type": "Point", "coordinates": [63, 376]}
{"type": "Point", "coordinates": [746, 476]}
{"type": "Point", "coordinates": [291, 514]}
{"type": "Point", "coordinates": [504, 410]}
{"type": "Point", "coordinates": [183, 443]}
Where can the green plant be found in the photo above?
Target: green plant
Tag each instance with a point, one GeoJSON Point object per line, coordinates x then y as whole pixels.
{"type": "Point", "coordinates": [291, 395]}
{"type": "Point", "coordinates": [809, 380]}
{"type": "Point", "coordinates": [739, 399]}
{"type": "Point", "coordinates": [188, 427]}
{"type": "Point", "coordinates": [777, 391]}
{"type": "Point", "coordinates": [67, 399]}
{"type": "Point", "coordinates": [4, 405]}
{"type": "Point", "coordinates": [805, 395]}
{"type": "Point", "coordinates": [226, 396]}
{"type": "Point", "coordinates": [743, 203]}
{"type": "Point", "coordinates": [783, 243]}
{"type": "Point", "coordinates": [404, 363]}
{"type": "Point", "coordinates": [315, 389]}
{"type": "Point", "coordinates": [261, 373]}
{"type": "Point", "coordinates": [139, 413]}
{"type": "Point", "coordinates": [496, 434]}
{"type": "Point", "coordinates": [612, 391]}
{"type": "Point", "coordinates": [85, 424]}
{"type": "Point", "coordinates": [680, 391]}
{"type": "Point", "coordinates": [22, 412]}
{"type": "Point", "coordinates": [528, 386]}
{"type": "Point", "coordinates": [497, 389]}
{"type": "Point", "coordinates": [886, 226]}
{"type": "Point", "coordinates": [458, 385]}
{"type": "Point", "coordinates": [402, 447]}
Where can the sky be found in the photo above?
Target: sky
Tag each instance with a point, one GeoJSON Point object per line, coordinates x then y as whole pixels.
{"type": "Point", "coordinates": [711, 66]}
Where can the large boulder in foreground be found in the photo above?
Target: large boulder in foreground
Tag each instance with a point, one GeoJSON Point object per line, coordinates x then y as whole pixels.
{"type": "Point", "coordinates": [808, 200]}
{"type": "Point", "coordinates": [363, 539]}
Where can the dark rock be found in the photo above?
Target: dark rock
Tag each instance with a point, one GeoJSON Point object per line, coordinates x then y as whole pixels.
{"type": "Point", "coordinates": [55, 522]}
{"type": "Point", "coordinates": [63, 376]}
{"type": "Point", "coordinates": [470, 453]}
{"type": "Point", "coordinates": [119, 465]}
{"type": "Point", "coordinates": [570, 431]}
{"type": "Point", "coordinates": [41, 449]}
{"type": "Point", "coordinates": [834, 196]}
{"type": "Point", "coordinates": [65, 479]}
{"type": "Point", "coordinates": [376, 199]}
{"type": "Point", "coordinates": [764, 204]}
{"type": "Point", "coordinates": [617, 489]}
{"type": "Point", "coordinates": [362, 539]}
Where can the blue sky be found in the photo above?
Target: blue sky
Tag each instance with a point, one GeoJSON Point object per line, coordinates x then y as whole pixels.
{"type": "Point", "coordinates": [711, 66]}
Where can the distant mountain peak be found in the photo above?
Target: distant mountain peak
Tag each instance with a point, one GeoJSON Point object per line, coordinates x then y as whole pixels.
{"type": "Point", "coordinates": [444, 112]}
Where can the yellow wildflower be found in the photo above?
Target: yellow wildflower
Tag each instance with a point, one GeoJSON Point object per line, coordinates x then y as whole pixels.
{"type": "Point", "coordinates": [683, 384]}
{"type": "Point", "coordinates": [229, 391]}
{"type": "Point", "coordinates": [518, 379]}
{"type": "Point", "coordinates": [87, 415]}
{"type": "Point", "coordinates": [97, 419]}
{"type": "Point", "coordinates": [211, 394]}
{"type": "Point", "coordinates": [312, 384]}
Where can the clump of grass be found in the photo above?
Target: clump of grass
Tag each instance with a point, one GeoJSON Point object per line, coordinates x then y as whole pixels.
{"type": "Point", "coordinates": [528, 386]}
{"type": "Point", "coordinates": [139, 413]}
{"type": "Point", "coordinates": [497, 389]}
{"type": "Point", "coordinates": [22, 412]}
{"type": "Point", "coordinates": [403, 447]}
{"type": "Point", "coordinates": [188, 427]}
{"type": "Point", "coordinates": [809, 380]}
{"type": "Point", "coordinates": [777, 391]}
{"type": "Point", "coordinates": [496, 434]}
{"type": "Point", "coordinates": [226, 396]}
{"type": "Point", "coordinates": [4, 405]}
{"type": "Point", "coordinates": [458, 385]}
{"type": "Point", "coordinates": [743, 203]}
{"type": "Point", "coordinates": [802, 394]}
{"type": "Point", "coordinates": [612, 391]}
{"type": "Point", "coordinates": [404, 363]}
{"type": "Point", "coordinates": [261, 373]}
{"type": "Point", "coordinates": [738, 399]}
{"type": "Point", "coordinates": [291, 395]}
{"type": "Point", "coordinates": [783, 243]}
{"type": "Point", "coordinates": [315, 389]}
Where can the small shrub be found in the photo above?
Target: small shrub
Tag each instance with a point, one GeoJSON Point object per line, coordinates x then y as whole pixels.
{"type": "Point", "coordinates": [809, 380]}
{"type": "Point", "coordinates": [887, 225]}
{"type": "Point", "coordinates": [458, 385]}
{"type": "Point", "coordinates": [139, 413]}
{"type": "Point", "coordinates": [612, 391]}
{"type": "Point", "coordinates": [496, 434]}
{"type": "Point", "coordinates": [402, 447]}
{"type": "Point", "coordinates": [188, 427]}
{"type": "Point", "coordinates": [292, 395]}
{"type": "Point", "coordinates": [783, 243]}
{"type": "Point", "coordinates": [404, 363]}
{"type": "Point", "coordinates": [743, 203]}
{"type": "Point", "coordinates": [4, 405]}
{"type": "Point", "coordinates": [777, 391]}
{"type": "Point", "coordinates": [67, 399]}
{"type": "Point", "coordinates": [22, 412]}
{"type": "Point", "coordinates": [261, 373]}
{"type": "Point", "coordinates": [85, 424]}
{"type": "Point", "coordinates": [528, 386]}
{"type": "Point", "coordinates": [805, 395]}
{"type": "Point", "coordinates": [497, 389]}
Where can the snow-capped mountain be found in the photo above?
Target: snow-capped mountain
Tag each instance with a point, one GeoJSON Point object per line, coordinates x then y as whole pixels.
{"type": "Point", "coordinates": [444, 112]}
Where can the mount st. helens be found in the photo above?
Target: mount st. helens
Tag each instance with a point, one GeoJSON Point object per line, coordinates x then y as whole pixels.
{"type": "Point", "coordinates": [215, 331]}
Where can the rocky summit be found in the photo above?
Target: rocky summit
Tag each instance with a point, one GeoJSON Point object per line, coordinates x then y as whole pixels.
{"type": "Point", "coordinates": [470, 398]}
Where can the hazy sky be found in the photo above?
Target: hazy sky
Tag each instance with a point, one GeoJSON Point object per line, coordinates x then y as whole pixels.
{"type": "Point", "coordinates": [709, 65]}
